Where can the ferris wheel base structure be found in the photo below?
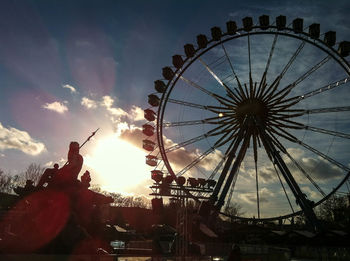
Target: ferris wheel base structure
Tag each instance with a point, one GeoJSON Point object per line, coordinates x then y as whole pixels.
{"type": "Point", "coordinates": [250, 115]}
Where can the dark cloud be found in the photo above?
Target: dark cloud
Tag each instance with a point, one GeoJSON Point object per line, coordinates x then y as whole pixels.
{"type": "Point", "coordinates": [267, 174]}
{"type": "Point", "coordinates": [134, 136]}
{"type": "Point", "coordinates": [318, 168]}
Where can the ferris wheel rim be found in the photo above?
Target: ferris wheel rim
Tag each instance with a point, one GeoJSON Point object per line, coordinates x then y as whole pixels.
{"type": "Point", "coordinates": [288, 32]}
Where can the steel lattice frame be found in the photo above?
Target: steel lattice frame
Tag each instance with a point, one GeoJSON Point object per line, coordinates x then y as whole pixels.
{"type": "Point", "coordinates": [257, 112]}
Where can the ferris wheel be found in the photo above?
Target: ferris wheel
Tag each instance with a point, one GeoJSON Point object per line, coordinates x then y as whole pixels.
{"type": "Point", "coordinates": [257, 115]}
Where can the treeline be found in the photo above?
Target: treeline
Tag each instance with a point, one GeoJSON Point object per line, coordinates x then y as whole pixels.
{"type": "Point", "coordinates": [334, 212]}
{"type": "Point", "coordinates": [9, 181]}
{"type": "Point", "coordinates": [120, 200]}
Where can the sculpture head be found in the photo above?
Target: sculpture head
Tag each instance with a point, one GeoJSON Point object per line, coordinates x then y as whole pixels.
{"type": "Point", "coordinates": [74, 146]}
{"type": "Point", "coordinates": [73, 149]}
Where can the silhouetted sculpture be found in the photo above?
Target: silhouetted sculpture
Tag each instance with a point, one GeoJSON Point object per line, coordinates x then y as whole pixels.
{"type": "Point", "coordinates": [65, 207]}
{"type": "Point", "coordinates": [85, 179]}
{"type": "Point", "coordinates": [68, 174]}
{"type": "Point", "coordinates": [47, 176]}
{"type": "Point", "coordinates": [27, 189]}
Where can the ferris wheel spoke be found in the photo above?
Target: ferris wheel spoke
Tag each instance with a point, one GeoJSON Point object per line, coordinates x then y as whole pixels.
{"type": "Point", "coordinates": [257, 182]}
{"type": "Point", "coordinates": [329, 132]}
{"type": "Point", "coordinates": [249, 61]}
{"type": "Point", "coordinates": [254, 90]}
{"type": "Point", "coordinates": [217, 168]}
{"type": "Point", "coordinates": [195, 161]}
{"type": "Point", "coordinates": [183, 123]}
{"type": "Point", "coordinates": [238, 95]}
{"type": "Point", "coordinates": [326, 110]}
{"type": "Point", "coordinates": [286, 90]}
{"type": "Point", "coordinates": [285, 151]}
{"type": "Point", "coordinates": [240, 91]}
{"type": "Point", "coordinates": [213, 120]}
{"type": "Point", "coordinates": [229, 197]}
{"type": "Point", "coordinates": [218, 110]}
{"type": "Point", "coordinates": [246, 90]}
{"type": "Point", "coordinates": [270, 92]}
{"type": "Point", "coordinates": [229, 155]}
{"type": "Point", "coordinates": [282, 129]}
{"type": "Point", "coordinates": [283, 187]}
{"type": "Point", "coordinates": [281, 104]}
{"type": "Point", "coordinates": [281, 116]}
{"type": "Point", "coordinates": [188, 104]}
{"type": "Point", "coordinates": [282, 133]}
{"type": "Point", "coordinates": [225, 119]}
{"type": "Point", "coordinates": [305, 173]}
{"type": "Point", "coordinates": [271, 53]}
{"type": "Point", "coordinates": [237, 163]}
{"type": "Point", "coordinates": [328, 87]}
{"type": "Point", "coordinates": [222, 129]}
{"type": "Point", "coordinates": [213, 132]}
{"type": "Point", "coordinates": [282, 122]}
{"type": "Point", "coordinates": [263, 84]}
{"type": "Point", "coordinates": [224, 139]}
{"type": "Point", "coordinates": [255, 147]}
{"type": "Point", "coordinates": [229, 92]}
{"type": "Point", "coordinates": [217, 97]}
{"type": "Point", "coordinates": [317, 152]}
{"type": "Point", "coordinates": [275, 140]}
{"type": "Point", "coordinates": [302, 201]}
{"type": "Point", "coordinates": [292, 59]}
{"type": "Point", "coordinates": [214, 109]}
{"type": "Point", "coordinates": [284, 105]}
{"type": "Point", "coordinates": [187, 142]}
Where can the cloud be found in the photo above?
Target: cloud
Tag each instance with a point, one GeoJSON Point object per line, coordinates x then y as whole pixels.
{"type": "Point", "coordinates": [12, 138]}
{"type": "Point", "coordinates": [107, 101]}
{"type": "Point", "coordinates": [116, 113]}
{"type": "Point", "coordinates": [70, 87]}
{"type": "Point", "coordinates": [124, 123]}
{"type": "Point", "coordinates": [311, 193]}
{"type": "Point", "coordinates": [133, 135]}
{"type": "Point", "coordinates": [136, 113]}
{"type": "Point", "coordinates": [55, 106]}
{"type": "Point", "coordinates": [267, 174]}
{"type": "Point", "coordinates": [318, 168]}
{"type": "Point", "coordinates": [88, 103]}
{"type": "Point", "coordinates": [50, 164]}
{"type": "Point", "coordinates": [264, 195]}
{"type": "Point", "coordinates": [178, 158]}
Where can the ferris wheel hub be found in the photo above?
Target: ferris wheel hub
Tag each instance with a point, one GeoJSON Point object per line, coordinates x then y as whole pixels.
{"type": "Point", "coordinates": [251, 107]}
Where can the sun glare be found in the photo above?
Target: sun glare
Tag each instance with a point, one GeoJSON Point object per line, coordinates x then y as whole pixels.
{"type": "Point", "coordinates": [118, 165]}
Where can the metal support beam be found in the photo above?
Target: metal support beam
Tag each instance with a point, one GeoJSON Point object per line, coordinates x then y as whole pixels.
{"type": "Point", "coordinates": [305, 204]}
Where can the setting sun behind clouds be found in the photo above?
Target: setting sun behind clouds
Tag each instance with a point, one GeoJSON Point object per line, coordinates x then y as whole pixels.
{"type": "Point", "coordinates": [118, 165]}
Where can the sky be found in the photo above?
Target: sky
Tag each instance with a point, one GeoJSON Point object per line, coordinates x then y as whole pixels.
{"type": "Point", "coordinates": [70, 67]}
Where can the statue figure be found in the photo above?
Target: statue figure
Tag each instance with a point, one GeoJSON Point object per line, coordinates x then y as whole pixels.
{"type": "Point", "coordinates": [47, 176]}
{"type": "Point", "coordinates": [74, 211]}
{"type": "Point", "coordinates": [68, 174]}
{"type": "Point", "coordinates": [75, 160]}
{"type": "Point", "coordinates": [85, 179]}
{"type": "Point", "coordinates": [26, 190]}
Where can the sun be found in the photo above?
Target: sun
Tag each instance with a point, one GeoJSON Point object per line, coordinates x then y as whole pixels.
{"type": "Point", "coordinates": [119, 166]}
